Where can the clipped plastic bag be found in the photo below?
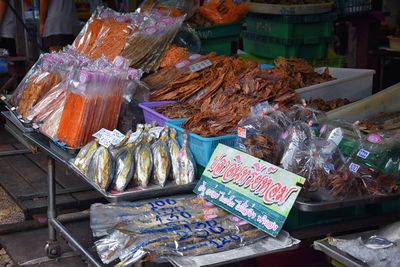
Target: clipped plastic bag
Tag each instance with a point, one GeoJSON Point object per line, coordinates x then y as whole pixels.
{"type": "Point", "coordinates": [224, 11]}
{"type": "Point", "coordinates": [315, 118]}
{"type": "Point", "coordinates": [82, 160]}
{"type": "Point", "coordinates": [161, 160]}
{"type": "Point", "coordinates": [300, 136]}
{"type": "Point", "coordinates": [51, 124]}
{"type": "Point", "coordinates": [124, 168]}
{"type": "Point", "coordinates": [186, 163]}
{"type": "Point", "coordinates": [260, 136]}
{"type": "Point", "coordinates": [144, 162]}
{"type": "Point", "coordinates": [174, 149]}
{"type": "Point", "coordinates": [187, 38]}
{"type": "Point", "coordinates": [100, 168]}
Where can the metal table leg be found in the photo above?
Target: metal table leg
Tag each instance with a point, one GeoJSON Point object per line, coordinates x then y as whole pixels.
{"type": "Point", "coordinates": [52, 246]}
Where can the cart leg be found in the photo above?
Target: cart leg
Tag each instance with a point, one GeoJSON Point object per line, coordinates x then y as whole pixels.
{"type": "Point", "coordinates": [52, 246]}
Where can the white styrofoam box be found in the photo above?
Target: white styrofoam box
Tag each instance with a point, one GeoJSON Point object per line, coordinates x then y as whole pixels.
{"type": "Point", "coordinates": [353, 84]}
{"type": "Point", "coordinates": [387, 100]}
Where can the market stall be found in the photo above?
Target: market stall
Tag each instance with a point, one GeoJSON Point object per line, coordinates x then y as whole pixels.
{"type": "Point", "coordinates": [146, 117]}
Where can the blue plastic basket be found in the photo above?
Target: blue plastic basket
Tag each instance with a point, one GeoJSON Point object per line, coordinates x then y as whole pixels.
{"type": "Point", "coordinates": [202, 148]}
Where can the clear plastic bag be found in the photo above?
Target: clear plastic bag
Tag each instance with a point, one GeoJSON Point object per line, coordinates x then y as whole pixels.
{"type": "Point", "coordinates": [186, 164]}
{"type": "Point", "coordinates": [101, 168]}
{"type": "Point", "coordinates": [260, 136]}
{"type": "Point", "coordinates": [224, 11]}
{"type": "Point", "coordinates": [146, 47]}
{"type": "Point", "coordinates": [124, 168]}
{"type": "Point", "coordinates": [174, 8]}
{"type": "Point", "coordinates": [315, 118]}
{"type": "Point", "coordinates": [188, 38]}
{"type": "Point", "coordinates": [300, 136]}
{"type": "Point", "coordinates": [161, 160]}
{"type": "Point", "coordinates": [51, 124]}
{"type": "Point", "coordinates": [54, 98]}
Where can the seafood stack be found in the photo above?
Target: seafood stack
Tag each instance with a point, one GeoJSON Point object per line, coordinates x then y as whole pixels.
{"type": "Point", "coordinates": [137, 231]}
{"type": "Point", "coordinates": [150, 156]}
{"type": "Point", "coordinates": [230, 86]}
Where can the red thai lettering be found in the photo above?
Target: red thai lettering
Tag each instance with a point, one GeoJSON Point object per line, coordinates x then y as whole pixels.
{"type": "Point", "coordinates": [256, 183]}
{"type": "Point", "coordinates": [219, 168]}
{"type": "Point", "coordinates": [254, 176]}
{"type": "Point", "coordinates": [288, 194]}
{"type": "Point", "coordinates": [280, 195]}
{"type": "Point", "coordinates": [269, 196]}
{"type": "Point", "coordinates": [231, 172]}
{"type": "Point", "coordinates": [265, 184]}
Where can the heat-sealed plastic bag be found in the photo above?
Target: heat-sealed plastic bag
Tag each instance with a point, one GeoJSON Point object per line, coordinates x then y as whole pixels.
{"type": "Point", "coordinates": [124, 168]}
{"type": "Point", "coordinates": [300, 136]}
{"type": "Point", "coordinates": [161, 160]}
{"type": "Point", "coordinates": [146, 47]}
{"type": "Point", "coordinates": [82, 160]}
{"type": "Point", "coordinates": [51, 124]}
{"type": "Point", "coordinates": [223, 11]}
{"type": "Point", "coordinates": [54, 98]}
{"type": "Point", "coordinates": [144, 162]}
{"type": "Point", "coordinates": [174, 149]}
{"type": "Point", "coordinates": [260, 136]}
{"type": "Point", "coordinates": [186, 164]}
{"type": "Point", "coordinates": [101, 168]}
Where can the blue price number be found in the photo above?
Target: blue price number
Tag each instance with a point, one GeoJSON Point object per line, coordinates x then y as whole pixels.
{"type": "Point", "coordinates": [213, 226]}
{"type": "Point", "coordinates": [183, 235]}
{"type": "Point", "coordinates": [161, 203]}
{"type": "Point", "coordinates": [202, 233]}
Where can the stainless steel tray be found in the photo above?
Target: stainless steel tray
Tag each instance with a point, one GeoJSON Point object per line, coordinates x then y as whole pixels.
{"type": "Point", "coordinates": [13, 117]}
{"type": "Point", "coordinates": [307, 205]}
{"type": "Point", "coordinates": [151, 192]}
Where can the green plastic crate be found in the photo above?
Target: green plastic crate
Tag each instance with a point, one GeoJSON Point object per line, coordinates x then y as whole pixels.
{"type": "Point", "coordinates": [219, 31]}
{"type": "Point", "coordinates": [221, 46]}
{"type": "Point", "coordinates": [308, 48]}
{"type": "Point", "coordinates": [353, 7]}
{"type": "Point", "coordinates": [291, 26]}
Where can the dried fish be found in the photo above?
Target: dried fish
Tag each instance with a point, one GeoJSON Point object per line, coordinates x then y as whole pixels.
{"type": "Point", "coordinates": [161, 160]}
{"type": "Point", "coordinates": [144, 162]}
{"type": "Point", "coordinates": [174, 148]}
{"type": "Point", "coordinates": [186, 163]}
{"type": "Point", "coordinates": [100, 168]}
{"type": "Point", "coordinates": [114, 150]}
{"type": "Point", "coordinates": [82, 160]}
{"type": "Point", "coordinates": [124, 168]}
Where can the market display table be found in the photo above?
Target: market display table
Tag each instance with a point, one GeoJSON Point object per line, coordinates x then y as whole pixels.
{"type": "Point", "coordinates": [267, 246]}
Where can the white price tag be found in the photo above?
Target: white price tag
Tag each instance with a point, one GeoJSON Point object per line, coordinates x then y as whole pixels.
{"type": "Point", "coordinates": [362, 153]}
{"type": "Point", "coordinates": [118, 134]}
{"type": "Point", "coordinates": [100, 133]}
{"type": "Point", "coordinates": [336, 136]}
{"type": "Point", "coordinates": [106, 140]}
{"type": "Point", "coordinates": [200, 65]}
{"type": "Point", "coordinates": [354, 167]}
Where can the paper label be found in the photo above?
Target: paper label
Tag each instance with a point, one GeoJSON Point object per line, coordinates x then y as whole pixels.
{"type": "Point", "coordinates": [362, 153]}
{"type": "Point", "coordinates": [374, 138]}
{"type": "Point", "coordinates": [108, 138]}
{"type": "Point", "coordinates": [100, 133]}
{"type": "Point", "coordinates": [336, 136]}
{"type": "Point", "coordinates": [242, 132]}
{"type": "Point", "coordinates": [200, 65]}
{"type": "Point", "coordinates": [354, 167]}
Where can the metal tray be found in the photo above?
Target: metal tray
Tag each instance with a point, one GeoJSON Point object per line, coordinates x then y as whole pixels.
{"type": "Point", "coordinates": [151, 192]}
{"type": "Point", "coordinates": [304, 204]}
{"type": "Point", "coordinates": [13, 117]}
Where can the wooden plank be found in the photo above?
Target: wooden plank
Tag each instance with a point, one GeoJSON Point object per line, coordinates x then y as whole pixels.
{"type": "Point", "coordinates": [6, 138]}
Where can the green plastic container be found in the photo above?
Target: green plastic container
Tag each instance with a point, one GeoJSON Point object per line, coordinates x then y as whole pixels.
{"type": "Point", "coordinates": [219, 31]}
{"type": "Point", "coordinates": [309, 48]}
{"type": "Point", "coordinates": [221, 46]}
{"type": "Point", "coordinates": [291, 26]}
{"type": "Point", "coordinates": [353, 7]}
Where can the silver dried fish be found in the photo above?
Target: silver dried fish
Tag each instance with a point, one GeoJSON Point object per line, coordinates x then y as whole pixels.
{"type": "Point", "coordinates": [161, 160]}
{"type": "Point", "coordinates": [124, 168]}
{"type": "Point", "coordinates": [100, 168]}
{"type": "Point", "coordinates": [174, 148]}
{"type": "Point", "coordinates": [186, 163]}
{"type": "Point", "coordinates": [144, 162]}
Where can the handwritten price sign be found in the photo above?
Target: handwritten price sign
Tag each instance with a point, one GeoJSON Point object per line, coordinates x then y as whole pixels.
{"type": "Point", "coordinates": [254, 190]}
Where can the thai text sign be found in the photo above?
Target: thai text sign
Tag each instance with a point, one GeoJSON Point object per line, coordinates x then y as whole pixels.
{"type": "Point", "coordinates": [254, 190]}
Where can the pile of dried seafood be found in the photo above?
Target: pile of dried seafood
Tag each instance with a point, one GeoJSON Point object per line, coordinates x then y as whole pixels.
{"type": "Point", "coordinates": [230, 86]}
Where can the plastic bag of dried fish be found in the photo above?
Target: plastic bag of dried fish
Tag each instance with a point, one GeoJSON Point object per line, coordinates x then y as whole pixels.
{"type": "Point", "coordinates": [124, 168]}
{"type": "Point", "coordinates": [260, 136]}
{"type": "Point", "coordinates": [299, 137]}
{"type": "Point", "coordinates": [161, 160]}
{"type": "Point", "coordinates": [144, 161]}
{"type": "Point", "coordinates": [174, 148]}
{"type": "Point", "coordinates": [315, 118]}
{"type": "Point", "coordinates": [100, 168]}
{"type": "Point", "coordinates": [82, 160]}
{"type": "Point", "coordinates": [186, 164]}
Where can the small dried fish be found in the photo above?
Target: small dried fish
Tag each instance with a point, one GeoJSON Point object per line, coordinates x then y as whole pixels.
{"type": "Point", "coordinates": [144, 162]}
{"type": "Point", "coordinates": [84, 156]}
{"type": "Point", "coordinates": [124, 168]}
{"type": "Point", "coordinates": [161, 160]}
{"type": "Point", "coordinates": [186, 163]}
{"type": "Point", "coordinates": [174, 148]}
{"type": "Point", "coordinates": [114, 150]}
{"type": "Point", "coordinates": [100, 168]}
